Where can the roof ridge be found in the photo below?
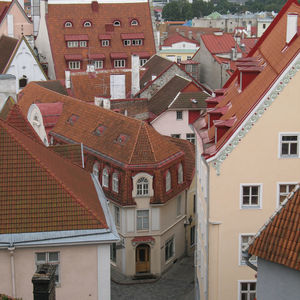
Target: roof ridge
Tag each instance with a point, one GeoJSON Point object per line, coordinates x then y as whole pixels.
{"type": "Point", "coordinates": [135, 143]}
{"type": "Point", "coordinates": [42, 164]}
{"type": "Point", "coordinates": [152, 150]}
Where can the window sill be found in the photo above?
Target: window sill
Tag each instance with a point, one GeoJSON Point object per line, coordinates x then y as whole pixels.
{"type": "Point", "coordinates": [250, 207]}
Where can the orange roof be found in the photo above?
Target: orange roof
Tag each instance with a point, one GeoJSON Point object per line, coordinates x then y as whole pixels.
{"type": "Point", "coordinates": [100, 15]}
{"type": "Point", "coordinates": [269, 54]}
{"type": "Point", "coordinates": [279, 240]}
{"type": "Point", "coordinates": [178, 38]}
{"type": "Point", "coordinates": [41, 191]}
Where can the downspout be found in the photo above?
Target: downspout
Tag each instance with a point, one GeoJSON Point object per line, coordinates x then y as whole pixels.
{"type": "Point", "coordinates": [82, 155]}
{"type": "Point", "coordinates": [11, 249]}
{"type": "Point", "coordinates": [247, 257]}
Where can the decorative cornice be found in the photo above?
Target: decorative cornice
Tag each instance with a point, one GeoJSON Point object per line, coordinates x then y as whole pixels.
{"type": "Point", "coordinates": [256, 114]}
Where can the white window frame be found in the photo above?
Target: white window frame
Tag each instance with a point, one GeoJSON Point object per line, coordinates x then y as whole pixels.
{"type": "Point", "coordinates": [105, 43]}
{"type": "Point", "coordinates": [47, 261]}
{"type": "Point", "coordinates": [142, 187]}
{"type": "Point", "coordinates": [260, 192]}
{"type": "Point", "coordinates": [245, 281]}
{"type": "Point", "coordinates": [119, 63]}
{"type": "Point", "coordinates": [134, 22]}
{"type": "Point", "coordinates": [74, 64]}
{"type": "Point", "coordinates": [83, 44]}
{"type": "Point", "coordinates": [137, 42]}
{"type": "Point", "coordinates": [167, 242]}
{"type": "Point", "coordinates": [115, 182]}
{"type": "Point", "coordinates": [145, 225]}
{"type": "Point", "coordinates": [180, 174]}
{"type": "Point", "coordinates": [105, 178]}
{"type": "Point", "coordinates": [72, 44]}
{"type": "Point", "coordinates": [150, 184]}
{"type": "Point", "coordinates": [191, 137]}
{"type": "Point", "coordinates": [178, 113]}
{"type": "Point", "coordinates": [117, 216]}
{"type": "Point", "coordinates": [68, 24]}
{"type": "Point", "coordinates": [252, 260]}
{"type": "Point", "coordinates": [278, 189]}
{"type": "Point", "coordinates": [168, 181]}
{"type": "Point", "coordinates": [282, 134]}
{"type": "Point", "coordinates": [127, 42]}
{"type": "Point", "coordinates": [98, 64]}
{"type": "Point", "coordinates": [87, 24]}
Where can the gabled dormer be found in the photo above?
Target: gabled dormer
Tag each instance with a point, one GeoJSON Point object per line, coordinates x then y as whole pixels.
{"type": "Point", "coordinates": [221, 126]}
{"type": "Point", "coordinates": [216, 113]}
{"type": "Point", "coordinates": [246, 74]}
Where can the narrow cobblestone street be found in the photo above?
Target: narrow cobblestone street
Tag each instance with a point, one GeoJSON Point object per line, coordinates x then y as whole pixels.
{"type": "Point", "coordinates": [175, 284]}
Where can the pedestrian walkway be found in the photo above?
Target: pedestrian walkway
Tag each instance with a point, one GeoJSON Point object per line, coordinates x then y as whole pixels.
{"type": "Point", "coordinates": [175, 284]}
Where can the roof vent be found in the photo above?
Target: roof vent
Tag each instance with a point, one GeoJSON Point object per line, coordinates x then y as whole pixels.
{"type": "Point", "coordinates": [95, 6]}
{"type": "Point", "coordinates": [194, 101]}
{"type": "Point", "coordinates": [122, 139]}
{"type": "Point", "coordinates": [73, 118]}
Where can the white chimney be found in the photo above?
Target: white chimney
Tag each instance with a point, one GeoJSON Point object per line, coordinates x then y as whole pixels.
{"type": "Point", "coordinates": [291, 26]}
{"type": "Point", "coordinates": [68, 79]}
{"type": "Point", "coordinates": [106, 103]}
{"type": "Point", "coordinates": [98, 101]}
{"type": "Point", "coordinates": [249, 29]}
{"type": "Point", "coordinates": [135, 74]}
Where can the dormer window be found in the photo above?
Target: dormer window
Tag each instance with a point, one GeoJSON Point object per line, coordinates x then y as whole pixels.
{"type": "Point", "coordinates": [73, 118]}
{"type": "Point", "coordinates": [99, 130]}
{"type": "Point", "coordinates": [68, 24]}
{"type": "Point", "coordinates": [105, 177]}
{"type": "Point", "coordinates": [122, 139]}
{"type": "Point", "coordinates": [134, 22]}
{"type": "Point", "coordinates": [116, 23]}
{"type": "Point", "coordinates": [142, 187]}
{"type": "Point", "coordinates": [180, 174]}
{"type": "Point", "coordinates": [87, 24]}
{"type": "Point", "coordinates": [168, 181]}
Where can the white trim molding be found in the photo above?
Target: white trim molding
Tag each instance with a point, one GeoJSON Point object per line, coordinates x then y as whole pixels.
{"type": "Point", "coordinates": [260, 193]}
{"type": "Point", "coordinates": [273, 92]}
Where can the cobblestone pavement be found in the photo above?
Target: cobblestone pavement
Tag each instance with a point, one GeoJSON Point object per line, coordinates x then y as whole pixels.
{"type": "Point", "coordinates": [176, 284]}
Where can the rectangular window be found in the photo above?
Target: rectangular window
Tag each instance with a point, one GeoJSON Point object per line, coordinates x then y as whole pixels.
{"type": "Point", "coordinates": [113, 252]}
{"type": "Point", "coordinates": [251, 196]}
{"type": "Point", "coordinates": [137, 42]}
{"type": "Point", "coordinates": [247, 291]}
{"type": "Point", "coordinates": [98, 64]}
{"type": "Point", "coordinates": [143, 61]}
{"type": "Point", "coordinates": [117, 216]}
{"type": "Point", "coordinates": [192, 235]}
{"type": "Point", "coordinates": [74, 65]}
{"type": "Point", "coordinates": [194, 204]}
{"type": "Point", "coordinates": [104, 43]}
{"type": "Point", "coordinates": [190, 137]}
{"type": "Point", "coordinates": [83, 44]}
{"type": "Point", "coordinates": [178, 59]}
{"type": "Point", "coordinates": [119, 63]}
{"type": "Point", "coordinates": [142, 219]}
{"type": "Point", "coordinates": [284, 190]}
{"type": "Point", "coordinates": [244, 240]}
{"type": "Point", "coordinates": [179, 115]}
{"type": "Point", "coordinates": [72, 44]}
{"type": "Point", "coordinates": [127, 42]}
{"type": "Point", "coordinates": [175, 135]}
{"type": "Point", "coordinates": [169, 249]}
{"type": "Point", "coordinates": [49, 258]}
{"type": "Point", "coordinates": [178, 208]}
{"type": "Point", "coordinates": [289, 145]}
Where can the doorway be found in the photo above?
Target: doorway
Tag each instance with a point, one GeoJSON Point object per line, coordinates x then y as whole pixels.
{"type": "Point", "coordinates": [142, 258]}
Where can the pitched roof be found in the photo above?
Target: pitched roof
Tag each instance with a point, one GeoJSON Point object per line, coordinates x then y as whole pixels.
{"type": "Point", "coordinates": [162, 99]}
{"type": "Point", "coordinates": [190, 101]}
{"type": "Point", "coordinates": [71, 152]}
{"type": "Point", "coordinates": [195, 31]}
{"type": "Point", "coordinates": [217, 44]}
{"type": "Point", "coordinates": [155, 65]}
{"type": "Point", "coordinates": [4, 5]}
{"type": "Point", "coordinates": [53, 85]}
{"type": "Point", "coordinates": [125, 140]}
{"type": "Point", "coordinates": [177, 38]}
{"type": "Point", "coordinates": [7, 47]}
{"type": "Point", "coordinates": [279, 240]}
{"type": "Point", "coordinates": [268, 53]}
{"type": "Point", "coordinates": [102, 16]}
{"type": "Point", "coordinates": [40, 191]}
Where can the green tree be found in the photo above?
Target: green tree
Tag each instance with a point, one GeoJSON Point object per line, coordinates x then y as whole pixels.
{"type": "Point", "coordinates": [171, 11]}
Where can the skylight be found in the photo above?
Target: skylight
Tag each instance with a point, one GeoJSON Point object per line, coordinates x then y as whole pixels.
{"type": "Point", "coordinates": [73, 118]}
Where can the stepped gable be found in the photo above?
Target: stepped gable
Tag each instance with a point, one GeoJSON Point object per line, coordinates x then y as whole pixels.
{"type": "Point", "coordinates": [7, 47]}
{"type": "Point", "coordinates": [41, 191]}
{"type": "Point", "coordinates": [272, 60]}
{"type": "Point", "coordinates": [279, 240]}
{"type": "Point", "coordinates": [102, 16]}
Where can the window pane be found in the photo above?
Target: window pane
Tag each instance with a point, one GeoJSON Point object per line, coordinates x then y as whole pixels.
{"type": "Point", "coordinates": [254, 190]}
{"type": "Point", "coordinates": [246, 200]}
{"type": "Point", "coordinates": [284, 148]}
{"type": "Point", "coordinates": [252, 296]}
{"type": "Point", "coordinates": [53, 256]}
{"type": "Point", "coordinates": [244, 297]}
{"type": "Point", "coordinates": [244, 286]}
{"type": "Point", "coordinates": [41, 257]}
{"type": "Point", "coordinates": [294, 148]}
{"type": "Point", "coordinates": [282, 188]}
{"type": "Point", "coordinates": [254, 200]}
{"type": "Point", "coordinates": [252, 286]}
{"type": "Point", "coordinates": [246, 190]}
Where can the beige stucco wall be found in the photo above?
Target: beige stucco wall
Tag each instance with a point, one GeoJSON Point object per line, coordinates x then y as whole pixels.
{"type": "Point", "coordinates": [184, 56]}
{"type": "Point", "coordinates": [78, 272]}
{"type": "Point", "coordinates": [254, 160]}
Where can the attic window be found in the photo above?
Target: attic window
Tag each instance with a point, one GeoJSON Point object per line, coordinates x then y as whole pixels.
{"type": "Point", "coordinates": [87, 24]}
{"type": "Point", "coordinates": [116, 23]}
{"type": "Point", "coordinates": [122, 139]}
{"type": "Point", "coordinates": [134, 22]}
{"type": "Point", "coordinates": [72, 119]}
{"type": "Point", "coordinates": [68, 24]}
{"type": "Point", "coordinates": [99, 130]}
{"type": "Point", "coordinates": [23, 81]}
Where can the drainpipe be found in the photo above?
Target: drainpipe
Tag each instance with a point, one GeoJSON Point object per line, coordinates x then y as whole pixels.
{"type": "Point", "coordinates": [11, 249]}
{"type": "Point", "coordinates": [247, 256]}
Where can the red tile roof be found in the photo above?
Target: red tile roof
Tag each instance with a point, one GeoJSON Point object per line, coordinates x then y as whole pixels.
{"type": "Point", "coordinates": [177, 38]}
{"type": "Point", "coordinates": [41, 191]}
{"type": "Point", "coordinates": [58, 14]}
{"type": "Point", "coordinates": [279, 240]}
{"type": "Point", "coordinates": [217, 44]}
{"type": "Point", "coordinates": [76, 37]}
{"type": "Point", "coordinates": [7, 47]}
{"type": "Point", "coordinates": [4, 5]}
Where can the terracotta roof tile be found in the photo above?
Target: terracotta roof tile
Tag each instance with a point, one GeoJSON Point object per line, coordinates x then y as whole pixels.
{"type": "Point", "coordinates": [279, 240]}
{"type": "Point", "coordinates": [40, 191]}
{"type": "Point", "coordinates": [106, 14]}
{"type": "Point", "coordinates": [54, 85]}
{"type": "Point", "coordinates": [7, 47]}
{"type": "Point", "coordinates": [71, 152]}
{"type": "Point", "coordinates": [177, 38]}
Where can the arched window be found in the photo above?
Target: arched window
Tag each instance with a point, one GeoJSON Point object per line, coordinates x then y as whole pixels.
{"type": "Point", "coordinates": [68, 24]}
{"type": "Point", "coordinates": [168, 181]}
{"type": "Point", "coordinates": [115, 182]}
{"type": "Point", "coordinates": [134, 22]}
{"type": "Point", "coordinates": [180, 174]}
{"type": "Point", "coordinates": [105, 177]}
{"type": "Point", "coordinates": [142, 187]}
{"type": "Point", "coordinates": [96, 170]}
{"type": "Point", "coordinates": [117, 23]}
{"type": "Point", "coordinates": [87, 24]}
